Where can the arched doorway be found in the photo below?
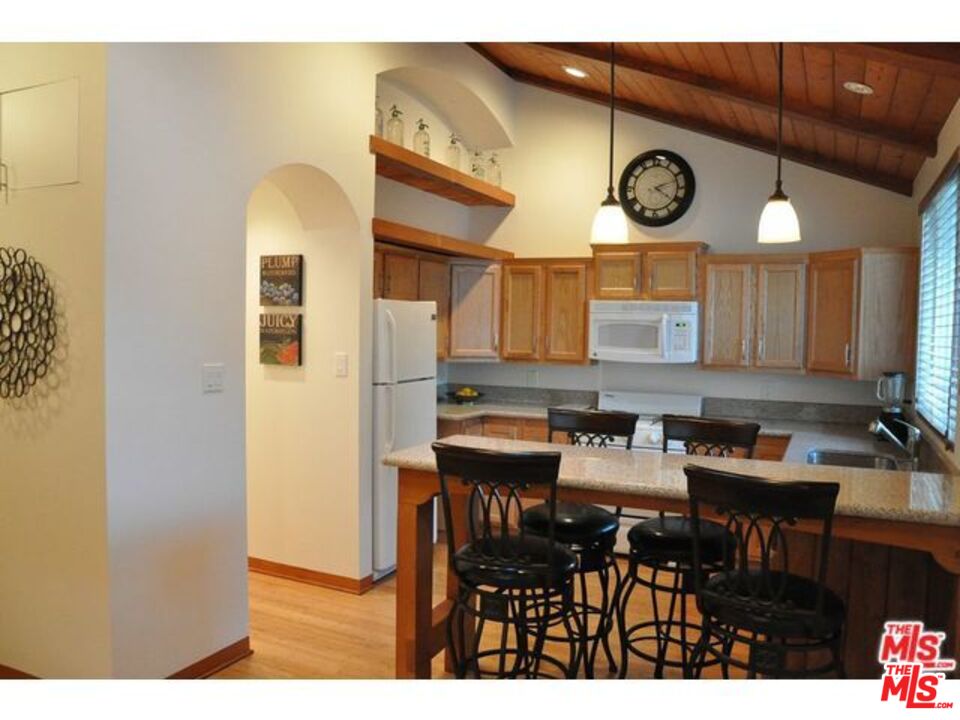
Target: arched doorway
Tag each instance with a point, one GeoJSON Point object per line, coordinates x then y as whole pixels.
{"type": "Point", "coordinates": [307, 508]}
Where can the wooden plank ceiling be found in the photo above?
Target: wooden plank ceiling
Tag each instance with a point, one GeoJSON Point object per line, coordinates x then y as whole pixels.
{"type": "Point", "coordinates": [729, 91]}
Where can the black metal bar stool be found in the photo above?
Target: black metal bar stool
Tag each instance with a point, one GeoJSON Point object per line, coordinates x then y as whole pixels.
{"type": "Point", "coordinates": [590, 532]}
{"type": "Point", "coordinates": [522, 581]}
{"type": "Point", "coordinates": [663, 547]}
{"type": "Point", "coordinates": [756, 601]}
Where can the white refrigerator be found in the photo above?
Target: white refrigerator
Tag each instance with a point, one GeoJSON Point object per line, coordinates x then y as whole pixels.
{"type": "Point", "coordinates": [404, 407]}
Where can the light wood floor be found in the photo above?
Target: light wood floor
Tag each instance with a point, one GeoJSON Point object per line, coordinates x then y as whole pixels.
{"type": "Point", "coordinates": [302, 631]}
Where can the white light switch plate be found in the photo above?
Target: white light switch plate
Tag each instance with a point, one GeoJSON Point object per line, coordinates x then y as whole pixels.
{"type": "Point", "coordinates": [212, 375]}
{"type": "Point", "coordinates": [341, 364]}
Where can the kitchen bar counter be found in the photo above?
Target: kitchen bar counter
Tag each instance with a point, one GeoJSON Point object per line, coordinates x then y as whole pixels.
{"type": "Point", "coordinates": [895, 555]}
{"type": "Point", "coordinates": [880, 494]}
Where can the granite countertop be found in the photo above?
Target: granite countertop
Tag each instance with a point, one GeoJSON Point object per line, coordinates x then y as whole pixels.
{"type": "Point", "coordinates": [452, 411]}
{"type": "Point", "coordinates": [804, 435]}
{"type": "Point", "coordinates": [890, 495]}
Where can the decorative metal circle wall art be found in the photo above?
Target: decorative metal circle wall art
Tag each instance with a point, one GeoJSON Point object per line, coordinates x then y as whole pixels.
{"type": "Point", "coordinates": [28, 323]}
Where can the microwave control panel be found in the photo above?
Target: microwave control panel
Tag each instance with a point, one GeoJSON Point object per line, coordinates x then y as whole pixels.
{"type": "Point", "coordinates": [682, 343]}
{"type": "Point", "coordinates": [681, 336]}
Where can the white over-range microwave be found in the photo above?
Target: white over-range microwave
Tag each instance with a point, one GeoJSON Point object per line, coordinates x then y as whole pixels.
{"type": "Point", "coordinates": [642, 331]}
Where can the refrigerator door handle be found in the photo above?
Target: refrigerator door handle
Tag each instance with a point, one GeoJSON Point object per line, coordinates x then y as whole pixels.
{"type": "Point", "coordinates": [392, 392]}
{"type": "Point", "coordinates": [392, 334]}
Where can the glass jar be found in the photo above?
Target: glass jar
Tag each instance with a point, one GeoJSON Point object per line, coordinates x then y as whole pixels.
{"type": "Point", "coordinates": [494, 174]}
{"type": "Point", "coordinates": [395, 126]}
{"type": "Point", "coordinates": [478, 166]}
{"type": "Point", "coordinates": [453, 152]}
{"type": "Point", "coordinates": [378, 126]}
{"type": "Point", "coordinates": [421, 139]}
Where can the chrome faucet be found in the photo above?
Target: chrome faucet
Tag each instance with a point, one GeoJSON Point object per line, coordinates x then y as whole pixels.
{"type": "Point", "coordinates": [912, 444]}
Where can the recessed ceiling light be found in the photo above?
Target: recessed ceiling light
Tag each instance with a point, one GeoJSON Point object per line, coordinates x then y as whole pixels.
{"type": "Point", "coordinates": [857, 88]}
{"type": "Point", "coordinates": [575, 72]}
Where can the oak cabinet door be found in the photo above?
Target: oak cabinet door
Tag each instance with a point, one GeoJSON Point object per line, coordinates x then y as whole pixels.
{"type": "Point", "coordinates": [617, 275]}
{"type": "Point", "coordinates": [377, 274]}
{"type": "Point", "coordinates": [670, 275]}
{"type": "Point", "coordinates": [435, 285]}
{"type": "Point", "coordinates": [400, 277]}
{"type": "Point", "coordinates": [565, 319]}
{"type": "Point", "coordinates": [446, 428]}
{"type": "Point", "coordinates": [535, 431]}
{"type": "Point", "coordinates": [473, 427]}
{"type": "Point", "coordinates": [728, 315]}
{"type": "Point", "coordinates": [833, 294]}
{"type": "Point", "coordinates": [522, 292]}
{"type": "Point", "coordinates": [503, 428]}
{"type": "Point", "coordinates": [474, 311]}
{"type": "Point", "coordinates": [781, 291]}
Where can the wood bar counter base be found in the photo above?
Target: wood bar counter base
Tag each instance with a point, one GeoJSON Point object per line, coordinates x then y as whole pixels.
{"type": "Point", "coordinates": [895, 555]}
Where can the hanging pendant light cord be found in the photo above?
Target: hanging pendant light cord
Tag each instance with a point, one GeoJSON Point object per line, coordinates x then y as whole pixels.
{"type": "Point", "coordinates": [610, 167]}
{"type": "Point", "coordinates": [780, 117]}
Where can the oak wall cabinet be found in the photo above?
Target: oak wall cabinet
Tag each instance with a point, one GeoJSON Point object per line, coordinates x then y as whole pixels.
{"type": "Point", "coordinates": [780, 314]}
{"type": "Point", "coordinates": [544, 314]}
{"type": "Point", "coordinates": [646, 271]}
{"type": "Point", "coordinates": [401, 274]}
{"type": "Point", "coordinates": [522, 294]}
{"type": "Point", "coordinates": [474, 311]}
{"type": "Point", "coordinates": [727, 314]}
{"type": "Point", "coordinates": [434, 284]}
{"type": "Point", "coordinates": [754, 311]}
{"type": "Point", "coordinates": [863, 309]}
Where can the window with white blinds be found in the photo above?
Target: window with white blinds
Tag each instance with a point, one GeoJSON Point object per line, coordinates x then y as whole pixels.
{"type": "Point", "coordinates": [938, 326]}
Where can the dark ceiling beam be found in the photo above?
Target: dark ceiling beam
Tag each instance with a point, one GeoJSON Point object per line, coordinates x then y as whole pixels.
{"type": "Point", "coordinates": [887, 182]}
{"type": "Point", "coordinates": [725, 91]}
{"type": "Point", "coordinates": [932, 58]}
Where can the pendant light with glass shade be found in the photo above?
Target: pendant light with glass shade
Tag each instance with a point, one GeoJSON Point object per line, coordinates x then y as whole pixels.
{"type": "Point", "coordinates": [778, 221]}
{"type": "Point", "coordinates": [609, 224]}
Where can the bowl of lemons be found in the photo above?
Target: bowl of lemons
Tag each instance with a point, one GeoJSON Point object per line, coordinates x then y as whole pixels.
{"type": "Point", "coordinates": [465, 396]}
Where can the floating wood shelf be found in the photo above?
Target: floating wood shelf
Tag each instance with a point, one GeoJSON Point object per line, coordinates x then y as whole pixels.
{"type": "Point", "coordinates": [406, 166]}
{"type": "Point", "coordinates": [392, 232]}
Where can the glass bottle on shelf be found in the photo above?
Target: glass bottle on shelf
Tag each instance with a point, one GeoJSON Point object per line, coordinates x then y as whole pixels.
{"type": "Point", "coordinates": [395, 126]}
{"type": "Point", "coordinates": [477, 165]}
{"type": "Point", "coordinates": [378, 128]}
{"type": "Point", "coordinates": [494, 174]}
{"type": "Point", "coordinates": [421, 139]}
{"type": "Point", "coordinates": [453, 152]}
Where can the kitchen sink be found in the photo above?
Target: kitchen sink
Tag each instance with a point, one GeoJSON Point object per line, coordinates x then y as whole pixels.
{"type": "Point", "coordinates": [849, 458]}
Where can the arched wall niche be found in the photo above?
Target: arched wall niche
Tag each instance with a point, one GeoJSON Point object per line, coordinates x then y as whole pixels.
{"type": "Point", "coordinates": [455, 103]}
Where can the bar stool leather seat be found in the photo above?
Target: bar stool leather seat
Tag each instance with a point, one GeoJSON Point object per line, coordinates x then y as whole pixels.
{"type": "Point", "coordinates": [666, 536]}
{"type": "Point", "coordinates": [799, 593]}
{"type": "Point", "coordinates": [576, 523]}
{"type": "Point", "coordinates": [477, 567]}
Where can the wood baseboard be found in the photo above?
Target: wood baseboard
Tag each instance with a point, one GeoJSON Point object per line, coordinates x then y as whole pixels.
{"type": "Point", "coordinates": [9, 673]}
{"type": "Point", "coordinates": [211, 664]}
{"type": "Point", "coordinates": [312, 577]}
{"type": "Point", "coordinates": [205, 667]}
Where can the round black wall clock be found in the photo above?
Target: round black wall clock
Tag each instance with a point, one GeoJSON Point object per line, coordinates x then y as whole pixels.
{"type": "Point", "coordinates": [656, 187]}
{"type": "Point", "coordinates": [28, 323]}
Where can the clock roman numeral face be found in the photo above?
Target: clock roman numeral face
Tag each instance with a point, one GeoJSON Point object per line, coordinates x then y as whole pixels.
{"type": "Point", "coordinates": [657, 187]}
